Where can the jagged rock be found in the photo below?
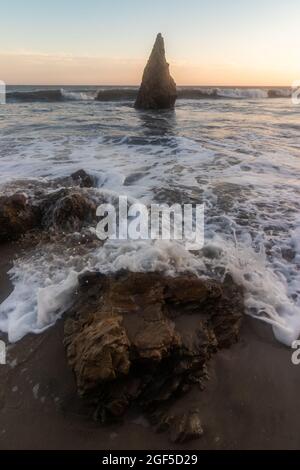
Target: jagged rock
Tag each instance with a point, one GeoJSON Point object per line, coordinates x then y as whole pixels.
{"type": "Point", "coordinates": [62, 210]}
{"type": "Point", "coordinates": [17, 216]}
{"type": "Point", "coordinates": [158, 89]}
{"type": "Point", "coordinates": [99, 353]}
{"type": "Point", "coordinates": [68, 210]}
{"type": "Point", "coordinates": [79, 178]}
{"type": "Point", "coordinates": [145, 338]}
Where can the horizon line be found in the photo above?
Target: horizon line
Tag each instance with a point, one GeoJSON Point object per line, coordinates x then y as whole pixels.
{"type": "Point", "coordinates": [127, 85]}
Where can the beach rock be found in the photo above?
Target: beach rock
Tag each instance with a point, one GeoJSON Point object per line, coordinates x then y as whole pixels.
{"type": "Point", "coordinates": [158, 89]}
{"type": "Point", "coordinates": [49, 206]}
{"type": "Point", "coordinates": [17, 216]}
{"type": "Point", "coordinates": [99, 353]}
{"type": "Point", "coordinates": [68, 209]}
{"type": "Point", "coordinates": [146, 338]}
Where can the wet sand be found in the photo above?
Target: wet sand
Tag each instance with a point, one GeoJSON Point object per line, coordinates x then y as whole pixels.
{"type": "Point", "coordinates": [250, 402]}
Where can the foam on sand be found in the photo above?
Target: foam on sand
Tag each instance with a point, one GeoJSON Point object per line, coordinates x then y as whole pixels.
{"type": "Point", "coordinates": [37, 302]}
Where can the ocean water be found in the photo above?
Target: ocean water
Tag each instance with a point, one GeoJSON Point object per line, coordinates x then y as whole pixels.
{"type": "Point", "coordinates": [236, 150]}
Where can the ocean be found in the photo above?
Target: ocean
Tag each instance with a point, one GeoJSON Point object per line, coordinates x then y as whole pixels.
{"type": "Point", "coordinates": [237, 150]}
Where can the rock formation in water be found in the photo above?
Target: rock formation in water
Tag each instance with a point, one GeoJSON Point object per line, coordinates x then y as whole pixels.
{"type": "Point", "coordinates": [144, 339]}
{"type": "Point", "coordinates": [158, 89]}
{"type": "Point", "coordinates": [65, 204]}
{"type": "Point", "coordinates": [82, 179]}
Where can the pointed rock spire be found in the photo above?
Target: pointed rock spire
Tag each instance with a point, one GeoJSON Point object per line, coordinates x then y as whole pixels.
{"type": "Point", "coordinates": [158, 89]}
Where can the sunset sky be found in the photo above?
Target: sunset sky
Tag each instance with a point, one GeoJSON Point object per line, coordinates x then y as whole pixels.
{"type": "Point", "coordinates": [97, 42]}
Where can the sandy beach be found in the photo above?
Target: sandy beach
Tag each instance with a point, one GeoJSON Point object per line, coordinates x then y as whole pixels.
{"type": "Point", "coordinates": [250, 402]}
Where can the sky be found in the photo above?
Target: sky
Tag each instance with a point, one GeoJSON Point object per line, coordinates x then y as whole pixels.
{"type": "Point", "coordinates": [107, 42]}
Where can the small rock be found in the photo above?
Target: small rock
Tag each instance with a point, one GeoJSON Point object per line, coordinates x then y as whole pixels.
{"type": "Point", "coordinates": [83, 179]}
{"type": "Point", "coordinates": [68, 210]}
{"type": "Point", "coordinates": [35, 391]}
{"type": "Point", "coordinates": [186, 427]}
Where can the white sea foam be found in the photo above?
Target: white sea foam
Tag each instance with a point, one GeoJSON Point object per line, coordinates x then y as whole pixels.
{"type": "Point", "coordinates": [38, 302]}
{"type": "Point", "coordinates": [52, 301]}
{"type": "Point", "coordinates": [249, 93]}
{"type": "Point", "coordinates": [43, 288]}
{"type": "Point", "coordinates": [77, 95]}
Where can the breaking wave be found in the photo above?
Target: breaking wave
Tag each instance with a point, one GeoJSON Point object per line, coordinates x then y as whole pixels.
{"type": "Point", "coordinates": [36, 95]}
{"type": "Point", "coordinates": [77, 95]}
{"type": "Point", "coordinates": [47, 95]}
{"type": "Point", "coordinates": [130, 93]}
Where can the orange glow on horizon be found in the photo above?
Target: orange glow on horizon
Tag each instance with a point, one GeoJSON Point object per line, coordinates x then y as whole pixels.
{"type": "Point", "coordinates": [45, 69]}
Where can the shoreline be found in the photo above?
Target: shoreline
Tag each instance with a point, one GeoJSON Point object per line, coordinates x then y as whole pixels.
{"type": "Point", "coordinates": [250, 401]}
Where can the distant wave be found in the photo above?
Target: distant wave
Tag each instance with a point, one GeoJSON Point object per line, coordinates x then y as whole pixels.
{"type": "Point", "coordinates": [77, 95]}
{"type": "Point", "coordinates": [129, 94]}
{"type": "Point", "coordinates": [50, 95]}
{"type": "Point", "coordinates": [35, 95]}
{"type": "Point", "coordinates": [277, 93]}
{"type": "Point", "coordinates": [233, 93]}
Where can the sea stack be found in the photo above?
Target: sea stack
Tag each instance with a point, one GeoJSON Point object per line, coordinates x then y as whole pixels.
{"type": "Point", "coordinates": [158, 89]}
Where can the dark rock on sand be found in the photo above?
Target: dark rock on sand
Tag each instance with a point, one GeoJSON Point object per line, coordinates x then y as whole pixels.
{"type": "Point", "coordinates": [182, 427]}
{"type": "Point", "coordinates": [158, 89]}
{"type": "Point", "coordinates": [17, 216]}
{"type": "Point", "coordinates": [186, 427]}
{"type": "Point", "coordinates": [144, 339]}
{"type": "Point", "coordinates": [99, 353]}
